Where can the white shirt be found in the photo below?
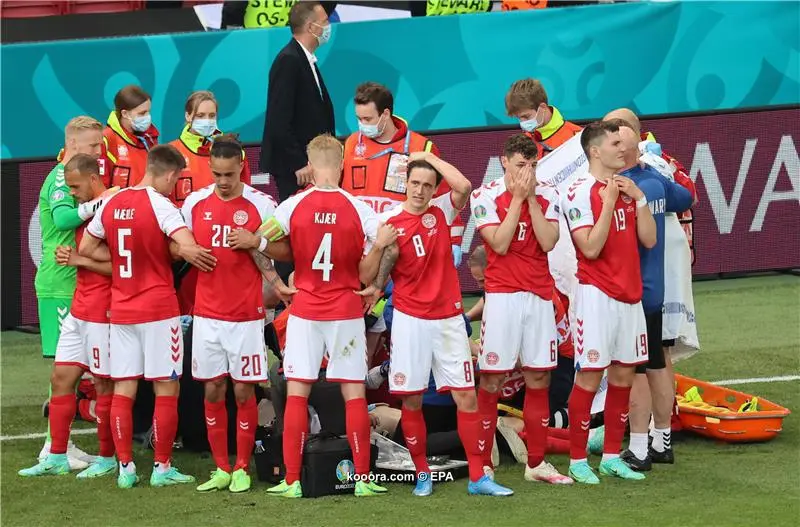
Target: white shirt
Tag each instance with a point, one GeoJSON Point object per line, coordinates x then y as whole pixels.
{"type": "Point", "coordinates": [312, 60]}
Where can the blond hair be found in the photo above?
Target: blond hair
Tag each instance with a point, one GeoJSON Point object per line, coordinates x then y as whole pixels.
{"type": "Point", "coordinates": [525, 94]}
{"type": "Point", "coordinates": [197, 98]}
{"type": "Point", "coordinates": [80, 124]}
{"type": "Point", "coordinates": [325, 151]}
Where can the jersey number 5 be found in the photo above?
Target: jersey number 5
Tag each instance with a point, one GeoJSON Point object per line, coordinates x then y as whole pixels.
{"type": "Point", "coordinates": [126, 269]}
{"type": "Point", "coordinates": [322, 260]}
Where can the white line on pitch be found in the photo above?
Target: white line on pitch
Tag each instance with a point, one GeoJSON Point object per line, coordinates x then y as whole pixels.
{"type": "Point", "coordinates": [42, 435]}
{"type": "Point", "coordinates": [755, 380]}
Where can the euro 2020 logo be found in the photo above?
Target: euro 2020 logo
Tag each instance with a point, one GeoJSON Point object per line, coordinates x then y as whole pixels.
{"type": "Point", "coordinates": [345, 470]}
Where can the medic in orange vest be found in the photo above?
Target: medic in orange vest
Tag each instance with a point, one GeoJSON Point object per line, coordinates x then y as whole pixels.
{"type": "Point", "coordinates": [195, 144]}
{"type": "Point", "coordinates": [376, 156]}
{"type": "Point", "coordinates": [527, 101]}
{"type": "Point", "coordinates": [129, 136]}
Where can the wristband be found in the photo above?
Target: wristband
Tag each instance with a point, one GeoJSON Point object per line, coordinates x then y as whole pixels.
{"type": "Point", "coordinates": [641, 202]}
{"type": "Point", "coordinates": [262, 246]}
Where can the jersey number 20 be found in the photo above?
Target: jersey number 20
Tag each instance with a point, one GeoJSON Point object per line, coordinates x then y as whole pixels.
{"type": "Point", "coordinates": [322, 260]}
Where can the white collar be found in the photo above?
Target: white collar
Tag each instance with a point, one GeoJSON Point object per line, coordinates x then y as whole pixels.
{"type": "Point", "coordinates": [312, 59]}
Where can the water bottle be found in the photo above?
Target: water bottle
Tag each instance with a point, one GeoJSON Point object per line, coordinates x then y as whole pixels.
{"type": "Point", "coordinates": [259, 449]}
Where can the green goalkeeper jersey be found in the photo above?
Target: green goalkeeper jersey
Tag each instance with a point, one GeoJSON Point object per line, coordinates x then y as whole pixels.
{"type": "Point", "coordinates": [53, 280]}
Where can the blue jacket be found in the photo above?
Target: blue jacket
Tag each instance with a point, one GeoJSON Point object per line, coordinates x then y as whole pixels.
{"type": "Point", "coordinates": [663, 196]}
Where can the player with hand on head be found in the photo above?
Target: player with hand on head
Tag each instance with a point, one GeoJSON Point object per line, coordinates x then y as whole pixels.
{"type": "Point", "coordinates": [609, 218]}
{"type": "Point", "coordinates": [329, 230]}
{"type": "Point", "coordinates": [146, 339]}
{"type": "Point", "coordinates": [83, 342]}
{"type": "Point", "coordinates": [428, 332]}
{"type": "Point", "coordinates": [228, 311]}
{"type": "Point", "coordinates": [518, 220]}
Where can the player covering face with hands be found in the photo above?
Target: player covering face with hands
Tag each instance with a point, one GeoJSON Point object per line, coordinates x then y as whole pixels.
{"type": "Point", "coordinates": [518, 221]}
{"type": "Point", "coordinates": [146, 339]}
{"type": "Point", "coordinates": [428, 331]}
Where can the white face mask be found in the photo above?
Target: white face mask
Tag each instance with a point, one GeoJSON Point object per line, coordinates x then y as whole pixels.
{"type": "Point", "coordinates": [204, 127]}
{"type": "Point", "coordinates": [325, 36]}
{"type": "Point", "coordinates": [531, 124]}
{"type": "Point", "coordinates": [371, 130]}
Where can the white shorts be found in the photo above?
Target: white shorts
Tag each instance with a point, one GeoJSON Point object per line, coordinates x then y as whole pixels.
{"type": "Point", "coordinates": [308, 341]}
{"type": "Point", "coordinates": [517, 326]}
{"type": "Point", "coordinates": [153, 350]}
{"type": "Point", "coordinates": [420, 346]}
{"type": "Point", "coordinates": [84, 344]}
{"type": "Point", "coordinates": [221, 348]}
{"type": "Point", "coordinates": [606, 331]}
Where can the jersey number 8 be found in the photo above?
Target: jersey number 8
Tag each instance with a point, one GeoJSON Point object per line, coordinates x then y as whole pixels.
{"type": "Point", "coordinates": [322, 260]}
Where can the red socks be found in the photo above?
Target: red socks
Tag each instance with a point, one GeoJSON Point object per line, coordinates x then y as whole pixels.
{"type": "Point", "coordinates": [102, 411]}
{"type": "Point", "coordinates": [358, 431]}
{"type": "Point", "coordinates": [487, 409]}
{"type": "Point", "coordinates": [536, 414]}
{"type": "Point", "coordinates": [217, 429]}
{"type": "Point", "coordinates": [295, 430]}
{"type": "Point", "coordinates": [615, 417]}
{"type": "Point", "coordinates": [165, 426]}
{"type": "Point", "coordinates": [247, 422]}
{"type": "Point", "coordinates": [470, 433]}
{"type": "Point", "coordinates": [416, 435]}
{"type": "Point", "coordinates": [580, 406]}
{"type": "Point", "coordinates": [122, 427]}
{"type": "Point", "coordinates": [62, 411]}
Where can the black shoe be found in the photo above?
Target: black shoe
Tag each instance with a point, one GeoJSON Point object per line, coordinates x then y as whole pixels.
{"type": "Point", "coordinates": [667, 457]}
{"type": "Point", "coordinates": [636, 464]}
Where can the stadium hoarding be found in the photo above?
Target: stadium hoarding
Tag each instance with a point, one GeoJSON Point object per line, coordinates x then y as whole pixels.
{"type": "Point", "coordinates": [745, 165]}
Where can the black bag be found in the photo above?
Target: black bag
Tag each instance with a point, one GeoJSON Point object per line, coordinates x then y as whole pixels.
{"type": "Point", "coordinates": [328, 465]}
{"type": "Point", "coordinates": [268, 455]}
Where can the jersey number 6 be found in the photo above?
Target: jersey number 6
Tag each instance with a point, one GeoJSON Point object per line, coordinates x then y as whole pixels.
{"type": "Point", "coordinates": [322, 260]}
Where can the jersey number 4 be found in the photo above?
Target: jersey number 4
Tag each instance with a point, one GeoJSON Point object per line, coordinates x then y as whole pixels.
{"type": "Point", "coordinates": [322, 260]}
{"type": "Point", "coordinates": [126, 269]}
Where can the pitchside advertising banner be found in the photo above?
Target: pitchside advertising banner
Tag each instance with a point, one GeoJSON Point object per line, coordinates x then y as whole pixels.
{"type": "Point", "coordinates": [745, 165]}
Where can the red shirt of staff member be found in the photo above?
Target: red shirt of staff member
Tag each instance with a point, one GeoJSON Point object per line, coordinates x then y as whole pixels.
{"type": "Point", "coordinates": [527, 101]}
{"type": "Point", "coordinates": [195, 144]}
{"type": "Point", "coordinates": [129, 135]}
{"type": "Point", "coordinates": [376, 156]}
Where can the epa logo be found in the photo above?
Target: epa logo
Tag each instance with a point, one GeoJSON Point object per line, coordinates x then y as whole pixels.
{"type": "Point", "coordinates": [345, 470]}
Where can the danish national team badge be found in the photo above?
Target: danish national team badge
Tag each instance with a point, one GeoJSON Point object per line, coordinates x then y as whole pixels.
{"type": "Point", "coordinates": [429, 221]}
{"type": "Point", "coordinates": [399, 379]}
{"type": "Point", "coordinates": [361, 149]}
{"type": "Point", "coordinates": [240, 217]}
{"type": "Point", "coordinates": [492, 358]}
{"type": "Point", "coordinates": [593, 356]}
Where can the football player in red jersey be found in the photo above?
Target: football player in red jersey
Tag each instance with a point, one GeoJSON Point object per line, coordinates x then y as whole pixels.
{"type": "Point", "coordinates": [428, 330]}
{"type": "Point", "coordinates": [518, 220]}
{"type": "Point", "coordinates": [228, 338]}
{"type": "Point", "coordinates": [329, 230]}
{"type": "Point", "coordinates": [608, 217]}
{"type": "Point", "coordinates": [83, 343]}
{"type": "Point", "coordinates": [146, 339]}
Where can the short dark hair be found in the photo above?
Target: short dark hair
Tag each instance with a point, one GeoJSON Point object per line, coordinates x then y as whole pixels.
{"type": "Point", "coordinates": [299, 15]}
{"type": "Point", "coordinates": [521, 144]}
{"type": "Point", "coordinates": [226, 146]}
{"type": "Point", "coordinates": [164, 158]}
{"type": "Point", "coordinates": [421, 163]}
{"type": "Point", "coordinates": [478, 257]}
{"type": "Point", "coordinates": [129, 98]}
{"type": "Point", "coordinates": [376, 93]}
{"type": "Point", "coordinates": [84, 164]}
{"type": "Point", "coordinates": [620, 123]}
{"type": "Point", "coordinates": [594, 133]}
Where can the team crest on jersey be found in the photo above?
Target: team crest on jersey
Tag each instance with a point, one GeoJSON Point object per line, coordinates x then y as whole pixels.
{"type": "Point", "coordinates": [429, 221]}
{"type": "Point", "coordinates": [593, 356]}
{"type": "Point", "coordinates": [361, 149]}
{"type": "Point", "coordinates": [626, 198]}
{"type": "Point", "coordinates": [480, 212]}
{"type": "Point", "coordinates": [58, 195]}
{"type": "Point", "coordinates": [399, 379]}
{"type": "Point", "coordinates": [122, 150]}
{"type": "Point", "coordinates": [574, 214]}
{"type": "Point", "coordinates": [492, 358]}
{"type": "Point", "coordinates": [240, 217]}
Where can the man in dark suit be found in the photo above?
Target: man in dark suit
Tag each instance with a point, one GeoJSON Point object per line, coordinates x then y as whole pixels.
{"type": "Point", "coordinates": [298, 104]}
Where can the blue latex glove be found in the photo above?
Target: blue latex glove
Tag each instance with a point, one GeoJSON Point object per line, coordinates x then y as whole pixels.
{"type": "Point", "coordinates": [468, 323]}
{"type": "Point", "coordinates": [186, 321]}
{"type": "Point", "coordinates": [653, 148]}
{"type": "Point", "coordinates": [457, 255]}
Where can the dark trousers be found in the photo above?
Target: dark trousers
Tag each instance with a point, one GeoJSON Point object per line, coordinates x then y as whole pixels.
{"type": "Point", "coordinates": [325, 397]}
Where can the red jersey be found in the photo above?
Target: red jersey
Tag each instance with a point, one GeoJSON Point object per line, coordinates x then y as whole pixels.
{"type": "Point", "coordinates": [616, 272]}
{"type": "Point", "coordinates": [524, 267]}
{"type": "Point", "coordinates": [329, 230]}
{"type": "Point", "coordinates": [425, 279]}
{"type": "Point", "coordinates": [137, 224]}
{"type": "Point", "coordinates": [232, 291]}
{"type": "Point", "coordinates": [92, 299]}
